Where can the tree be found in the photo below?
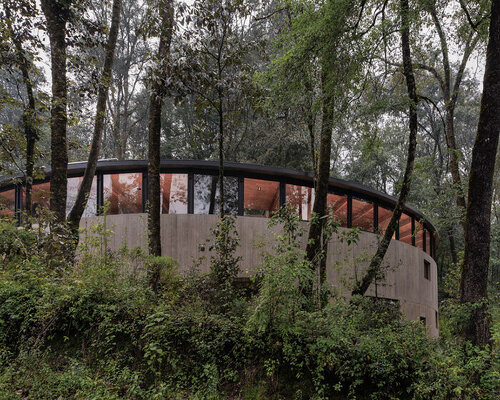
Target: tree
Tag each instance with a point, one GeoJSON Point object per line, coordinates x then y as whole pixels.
{"type": "Point", "coordinates": [212, 64]}
{"type": "Point", "coordinates": [128, 98]}
{"type": "Point", "coordinates": [158, 86]}
{"type": "Point", "coordinates": [474, 278]}
{"type": "Point", "coordinates": [25, 43]}
{"type": "Point", "coordinates": [103, 88]}
{"type": "Point", "coordinates": [451, 85]}
{"type": "Point", "coordinates": [57, 14]}
{"type": "Point", "coordinates": [317, 68]}
{"type": "Point", "coordinates": [376, 262]}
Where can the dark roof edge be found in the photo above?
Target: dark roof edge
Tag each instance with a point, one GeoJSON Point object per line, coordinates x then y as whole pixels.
{"type": "Point", "coordinates": [78, 168]}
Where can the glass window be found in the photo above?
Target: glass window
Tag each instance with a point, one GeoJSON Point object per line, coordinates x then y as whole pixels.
{"type": "Point", "coordinates": [427, 270]}
{"type": "Point", "coordinates": [261, 197]}
{"type": "Point", "coordinates": [123, 192]}
{"type": "Point", "coordinates": [428, 241]}
{"type": "Point", "coordinates": [419, 235]}
{"type": "Point", "coordinates": [384, 217]}
{"type": "Point", "coordinates": [206, 194]}
{"type": "Point", "coordinates": [405, 228]}
{"type": "Point", "coordinates": [73, 187]}
{"type": "Point", "coordinates": [338, 206]}
{"type": "Point", "coordinates": [40, 196]}
{"type": "Point", "coordinates": [301, 198]}
{"type": "Point", "coordinates": [362, 215]}
{"type": "Point", "coordinates": [7, 203]}
{"type": "Point", "coordinates": [174, 193]}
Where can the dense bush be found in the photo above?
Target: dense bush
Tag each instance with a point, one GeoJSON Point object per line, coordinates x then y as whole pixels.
{"type": "Point", "coordinates": [95, 332]}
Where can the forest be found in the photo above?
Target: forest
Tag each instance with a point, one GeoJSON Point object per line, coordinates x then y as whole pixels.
{"type": "Point", "coordinates": [402, 96]}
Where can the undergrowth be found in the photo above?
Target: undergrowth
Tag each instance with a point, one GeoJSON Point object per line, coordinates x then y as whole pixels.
{"type": "Point", "coordinates": [97, 329]}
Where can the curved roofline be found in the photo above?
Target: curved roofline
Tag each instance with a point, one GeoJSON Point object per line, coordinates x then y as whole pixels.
{"type": "Point", "coordinates": [231, 168]}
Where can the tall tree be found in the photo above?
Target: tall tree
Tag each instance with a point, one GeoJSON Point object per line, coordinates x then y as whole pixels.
{"type": "Point", "coordinates": [57, 14]}
{"type": "Point", "coordinates": [473, 285]}
{"type": "Point", "coordinates": [213, 65]}
{"type": "Point", "coordinates": [450, 86]}
{"type": "Point", "coordinates": [103, 88]}
{"type": "Point", "coordinates": [158, 88]}
{"type": "Point", "coordinates": [20, 33]}
{"type": "Point", "coordinates": [126, 100]}
{"type": "Point", "coordinates": [376, 262]}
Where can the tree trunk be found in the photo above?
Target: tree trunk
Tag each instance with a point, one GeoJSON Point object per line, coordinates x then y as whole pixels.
{"type": "Point", "coordinates": [221, 150]}
{"type": "Point", "coordinates": [29, 115]}
{"type": "Point", "coordinates": [57, 14]}
{"type": "Point", "coordinates": [473, 285]}
{"type": "Point", "coordinates": [453, 153]}
{"type": "Point", "coordinates": [376, 262]}
{"type": "Point", "coordinates": [314, 244]}
{"type": "Point", "coordinates": [105, 81]}
{"type": "Point", "coordinates": [166, 11]}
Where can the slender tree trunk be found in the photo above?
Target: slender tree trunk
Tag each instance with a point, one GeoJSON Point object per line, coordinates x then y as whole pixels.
{"type": "Point", "coordinates": [57, 14]}
{"type": "Point", "coordinates": [453, 250]}
{"type": "Point", "coordinates": [213, 191]}
{"type": "Point", "coordinates": [376, 262]}
{"type": "Point", "coordinates": [473, 285]}
{"type": "Point", "coordinates": [29, 115]}
{"type": "Point", "coordinates": [314, 244]}
{"type": "Point", "coordinates": [454, 153]}
{"type": "Point", "coordinates": [166, 11]}
{"type": "Point", "coordinates": [81, 200]}
{"type": "Point", "coordinates": [221, 163]}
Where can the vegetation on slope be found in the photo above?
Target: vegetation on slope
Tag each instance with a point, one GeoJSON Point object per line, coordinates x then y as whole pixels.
{"type": "Point", "coordinates": [96, 330]}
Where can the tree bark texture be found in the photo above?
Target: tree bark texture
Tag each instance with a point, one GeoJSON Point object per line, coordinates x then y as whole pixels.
{"type": "Point", "coordinates": [314, 244]}
{"type": "Point", "coordinates": [155, 104]}
{"type": "Point", "coordinates": [473, 285]}
{"type": "Point", "coordinates": [375, 265]}
{"type": "Point", "coordinates": [104, 84]}
{"type": "Point", "coordinates": [57, 14]}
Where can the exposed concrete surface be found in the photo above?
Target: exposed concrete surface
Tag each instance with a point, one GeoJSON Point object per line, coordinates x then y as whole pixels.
{"type": "Point", "coordinates": [187, 238]}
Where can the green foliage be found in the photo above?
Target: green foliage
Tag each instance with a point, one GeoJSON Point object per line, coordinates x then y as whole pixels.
{"type": "Point", "coordinates": [224, 266]}
{"type": "Point", "coordinates": [95, 330]}
{"type": "Point", "coordinates": [16, 244]}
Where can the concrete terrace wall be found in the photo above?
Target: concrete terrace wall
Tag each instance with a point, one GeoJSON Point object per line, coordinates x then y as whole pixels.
{"type": "Point", "coordinates": [187, 238]}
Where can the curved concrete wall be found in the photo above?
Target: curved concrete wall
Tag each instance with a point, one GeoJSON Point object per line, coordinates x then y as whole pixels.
{"type": "Point", "coordinates": [188, 237]}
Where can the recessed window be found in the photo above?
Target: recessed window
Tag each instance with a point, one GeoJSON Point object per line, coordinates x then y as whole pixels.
{"type": "Point", "coordinates": [423, 320]}
{"type": "Point", "coordinates": [301, 198]}
{"type": "Point", "coordinates": [207, 197]}
{"type": "Point", "coordinates": [262, 197]}
{"type": "Point", "coordinates": [123, 192]}
{"type": "Point", "coordinates": [173, 198]}
{"type": "Point", "coordinates": [362, 215]}
{"type": "Point", "coordinates": [427, 270]}
{"type": "Point", "coordinates": [338, 207]}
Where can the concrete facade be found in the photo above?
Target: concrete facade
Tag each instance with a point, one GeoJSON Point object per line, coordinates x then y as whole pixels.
{"type": "Point", "coordinates": [187, 238]}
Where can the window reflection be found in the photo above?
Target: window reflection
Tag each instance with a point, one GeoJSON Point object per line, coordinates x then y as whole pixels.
{"type": "Point", "coordinates": [301, 198]}
{"type": "Point", "coordinates": [405, 228]}
{"type": "Point", "coordinates": [419, 235]}
{"type": "Point", "coordinates": [427, 241]}
{"type": "Point", "coordinates": [338, 206]}
{"type": "Point", "coordinates": [123, 192]}
{"type": "Point", "coordinates": [207, 197]}
{"type": "Point", "coordinates": [73, 187]}
{"type": "Point", "coordinates": [362, 215]}
{"type": "Point", "coordinates": [174, 196]}
{"type": "Point", "coordinates": [40, 196]}
{"type": "Point", "coordinates": [7, 203]}
{"type": "Point", "coordinates": [384, 217]}
{"type": "Point", "coordinates": [261, 197]}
